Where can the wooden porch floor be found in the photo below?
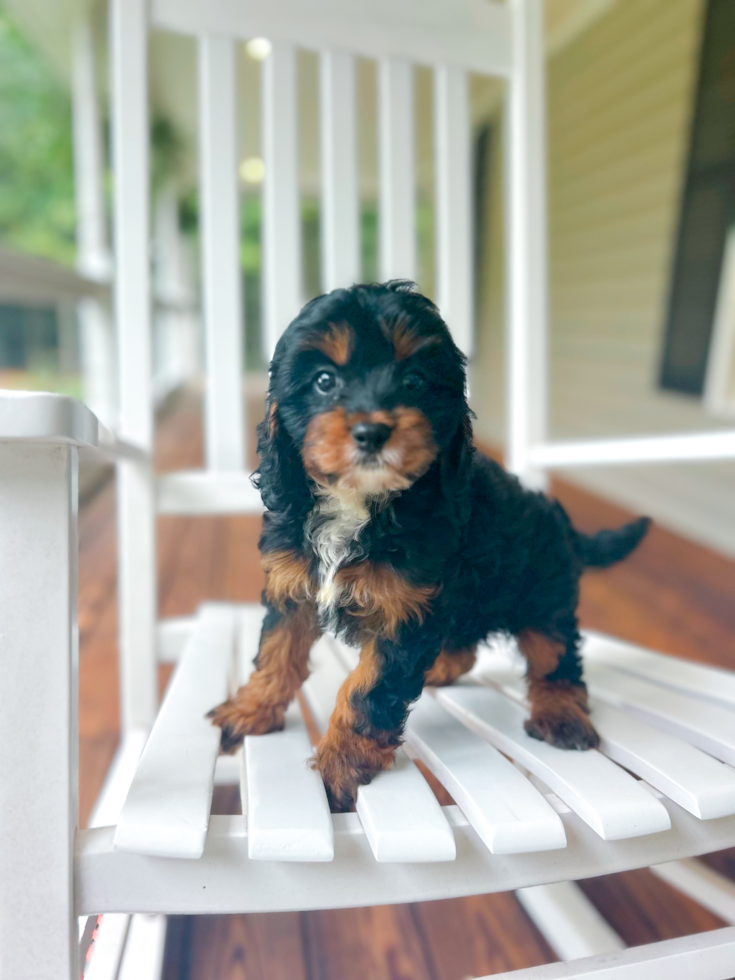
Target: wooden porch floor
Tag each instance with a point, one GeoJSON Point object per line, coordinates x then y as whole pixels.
{"type": "Point", "coordinates": [671, 595]}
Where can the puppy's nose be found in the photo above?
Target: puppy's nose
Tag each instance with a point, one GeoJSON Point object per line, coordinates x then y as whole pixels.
{"type": "Point", "coordinates": [371, 436]}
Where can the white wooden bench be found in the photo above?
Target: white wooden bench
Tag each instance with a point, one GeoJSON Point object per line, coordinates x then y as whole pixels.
{"type": "Point", "coordinates": [526, 817]}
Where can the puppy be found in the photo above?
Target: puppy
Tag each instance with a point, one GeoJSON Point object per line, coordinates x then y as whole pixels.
{"type": "Point", "coordinates": [386, 527]}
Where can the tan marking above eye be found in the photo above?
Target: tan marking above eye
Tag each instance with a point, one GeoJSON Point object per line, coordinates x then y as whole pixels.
{"type": "Point", "coordinates": [336, 341]}
{"type": "Point", "coordinates": [406, 338]}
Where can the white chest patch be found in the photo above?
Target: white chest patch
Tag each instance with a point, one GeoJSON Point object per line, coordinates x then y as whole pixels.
{"type": "Point", "coordinates": [333, 529]}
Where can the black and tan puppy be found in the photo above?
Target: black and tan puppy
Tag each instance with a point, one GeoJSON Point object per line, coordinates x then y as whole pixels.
{"type": "Point", "coordinates": [385, 526]}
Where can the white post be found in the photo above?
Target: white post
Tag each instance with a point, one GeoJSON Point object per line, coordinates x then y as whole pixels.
{"type": "Point", "coordinates": [175, 339]}
{"type": "Point", "coordinates": [282, 286]}
{"type": "Point", "coordinates": [397, 211]}
{"type": "Point", "coordinates": [220, 233]}
{"type": "Point", "coordinates": [340, 217]}
{"type": "Point", "coordinates": [38, 711]}
{"type": "Point", "coordinates": [135, 496]}
{"type": "Point", "coordinates": [527, 289]}
{"type": "Point", "coordinates": [453, 210]}
{"type": "Point", "coordinates": [93, 258]}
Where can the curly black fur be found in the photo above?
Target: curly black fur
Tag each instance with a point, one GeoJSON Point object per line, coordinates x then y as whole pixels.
{"type": "Point", "coordinates": [502, 558]}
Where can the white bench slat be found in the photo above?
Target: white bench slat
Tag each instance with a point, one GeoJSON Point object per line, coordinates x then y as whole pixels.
{"type": "Point", "coordinates": [287, 809]}
{"type": "Point", "coordinates": [706, 956]}
{"type": "Point", "coordinates": [220, 229]}
{"type": "Point", "coordinates": [613, 803]}
{"type": "Point", "coordinates": [397, 212]}
{"type": "Point", "coordinates": [688, 776]}
{"type": "Point", "coordinates": [706, 725]}
{"type": "Point", "coordinates": [166, 812]}
{"type": "Point", "coordinates": [249, 627]}
{"type": "Point", "coordinates": [282, 288]}
{"type": "Point", "coordinates": [508, 813]}
{"type": "Point", "coordinates": [340, 198]}
{"type": "Point", "coordinates": [401, 816]}
{"type": "Point", "coordinates": [697, 679]}
{"type": "Point", "coordinates": [452, 141]}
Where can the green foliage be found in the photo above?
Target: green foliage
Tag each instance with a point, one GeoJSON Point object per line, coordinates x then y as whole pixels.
{"type": "Point", "coordinates": [37, 211]}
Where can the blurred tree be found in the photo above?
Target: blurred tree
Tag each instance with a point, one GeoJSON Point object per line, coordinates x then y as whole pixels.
{"type": "Point", "coordinates": [36, 167]}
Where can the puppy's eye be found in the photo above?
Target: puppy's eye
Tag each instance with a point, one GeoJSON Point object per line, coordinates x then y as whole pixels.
{"type": "Point", "coordinates": [413, 381]}
{"type": "Point", "coordinates": [325, 382]}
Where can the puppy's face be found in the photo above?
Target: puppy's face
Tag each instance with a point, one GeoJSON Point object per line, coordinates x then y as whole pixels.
{"type": "Point", "coordinates": [369, 386]}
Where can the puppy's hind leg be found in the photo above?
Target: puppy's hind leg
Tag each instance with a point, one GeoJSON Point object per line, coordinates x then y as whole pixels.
{"type": "Point", "coordinates": [281, 667]}
{"type": "Point", "coordinates": [449, 665]}
{"type": "Point", "coordinates": [558, 696]}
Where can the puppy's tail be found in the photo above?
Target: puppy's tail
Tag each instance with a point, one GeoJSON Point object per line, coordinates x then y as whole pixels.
{"type": "Point", "coordinates": [607, 547]}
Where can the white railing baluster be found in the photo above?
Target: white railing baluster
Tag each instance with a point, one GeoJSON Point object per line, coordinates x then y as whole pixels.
{"type": "Point", "coordinates": [282, 288]}
{"type": "Point", "coordinates": [453, 208]}
{"type": "Point", "coordinates": [135, 498]}
{"type": "Point", "coordinates": [397, 212]}
{"type": "Point", "coordinates": [220, 229]}
{"type": "Point", "coordinates": [340, 219]}
{"type": "Point", "coordinates": [527, 288]}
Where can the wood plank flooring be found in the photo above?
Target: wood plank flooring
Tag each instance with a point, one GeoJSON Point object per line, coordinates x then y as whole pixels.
{"type": "Point", "coordinates": [671, 595]}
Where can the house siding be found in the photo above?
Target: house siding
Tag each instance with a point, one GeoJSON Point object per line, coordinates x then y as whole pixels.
{"type": "Point", "coordinates": [620, 100]}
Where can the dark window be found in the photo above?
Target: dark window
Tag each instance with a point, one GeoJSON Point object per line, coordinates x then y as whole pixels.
{"type": "Point", "coordinates": [707, 208]}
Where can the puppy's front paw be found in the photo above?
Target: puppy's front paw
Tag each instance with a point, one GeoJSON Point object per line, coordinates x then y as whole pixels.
{"type": "Point", "coordinates": [341, 778]}
{"type": "Point", "coordinates": [245, 715]}
{"type": "Point", "coordinates": [563, 729]}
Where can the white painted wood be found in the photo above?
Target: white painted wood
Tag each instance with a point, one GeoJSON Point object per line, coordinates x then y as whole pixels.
{"type": "Point", "coordinates": [109, 803]}
{"type": "Point", "coordinates": [39, 652]}
{"type": "Point", "coordinates": [706, 956]}
{"type": "Point", "coordinates": [684, 447]}
{"type": "Point", "coordinates": [609, 800]}
{"type": "Point", "coordinates": [697, 679]}
{"type": "Point", "coordinates": [401, 816]}
{"type": "Point", "coordinates": [397, 200]}
{"type": "Point", "coordinates": [173, 632]}
{"type": "Point", "coordinates": [136, 541]}
{"type": "Point", "coordinates": [143, 957]}
{"type": "Point", "coordinates": [93, 256]}
{"type": "Point", "coordinates": [166, 812]}
{"type": "Point", "coordinates": [472, 34]}
{"type": "Point", "coordinates": [685, 774]}
{"type": "Point", "coordinates": [107, 950]}
{"type": "Point", "coordinates": [202, 492]}
{"type": "Point", "coordinates": [526, 230]}
{"type": "Point", "coordinates": [282, 276]}
{"type": "Point", "coordinates": [248, 639]}
{"type": "Point", "coordinates": [287, 808]}
{"type": "Point", "coordinates": [568, 921]}
{"type": "Point", "coordinates": [453, 208]}
{"type": "Point", "coordinates": [220, 231]}
{"type": "Point", "coordinates": [705, 725]}
{"type": "Point", "coordinates": [113, 881]}
{"type": "Point", "coordinates": [119, 777]}
{"type": "Point", "coordinates": [340, 216]}
{"type": "Point", "coordinates": [402, 819]}
{"type": "Point", "coordinates": [508, 813]}
{"type": "Point", "coordinates": [701, 883]}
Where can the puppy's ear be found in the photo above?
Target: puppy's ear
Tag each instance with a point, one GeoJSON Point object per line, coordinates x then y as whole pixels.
{"type": "Point", "coordinates": [454, 465]}
{"type": "Point", "coordinates": [280, 477]}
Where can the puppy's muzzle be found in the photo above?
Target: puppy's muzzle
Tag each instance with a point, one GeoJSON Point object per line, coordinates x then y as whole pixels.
{"type": "Point", "coordinates": [370, 437]}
